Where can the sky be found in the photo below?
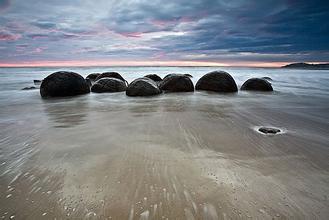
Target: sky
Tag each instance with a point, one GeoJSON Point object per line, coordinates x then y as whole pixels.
{"type": "Point", "coordinates": [163, 32]}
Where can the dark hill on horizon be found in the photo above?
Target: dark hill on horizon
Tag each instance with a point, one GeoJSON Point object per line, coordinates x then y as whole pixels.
{"type": "Point", "coordinates": [307, 66]}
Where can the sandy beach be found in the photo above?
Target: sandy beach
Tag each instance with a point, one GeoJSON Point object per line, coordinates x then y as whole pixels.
{"type": "Point", "coordinates": [174, 156]}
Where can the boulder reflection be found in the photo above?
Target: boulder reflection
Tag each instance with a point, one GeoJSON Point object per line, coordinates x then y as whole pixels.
{"type": "Point", "coordinates": [66, 112]}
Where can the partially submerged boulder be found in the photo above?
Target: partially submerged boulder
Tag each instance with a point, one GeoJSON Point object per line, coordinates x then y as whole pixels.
{"type": "Point", "coordinates": [154, 77]}
{"type": "Point", "coordinates": [109, 85]}
{"type": "Point", "coordinates": [63, 83]}
{"type": "Point", "coordinates": [189, 75]}
{"type": "Point", "coordinates": [177, 83]}
{"type": "Point", "coordinates": [257, 84]}
{"type": "Point", "coordinates": [143, 87]}
{"type": "Point", "coordinates": [111, 75]}
{"type": "Point", "coordinates": [217, 81]}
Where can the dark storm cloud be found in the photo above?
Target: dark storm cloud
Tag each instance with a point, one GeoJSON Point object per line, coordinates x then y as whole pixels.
{"type": "Point", "coordinates": [4, 4]}
{"type": "Point", "coordinates": [237, 30]}
{"type": "Point", "coordinates": [257, 28]}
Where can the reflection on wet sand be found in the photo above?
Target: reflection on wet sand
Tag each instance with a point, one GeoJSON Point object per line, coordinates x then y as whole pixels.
{"type": "Point", "coordinates": [143, 107]}
{"type": "Point", "coordinates": [180, 102]}
{"type": "Point", "coordinates": [66, 112]}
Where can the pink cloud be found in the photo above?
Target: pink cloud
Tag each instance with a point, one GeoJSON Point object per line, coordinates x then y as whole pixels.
{"type": "Point", "coordinates": [6, 36]}
{"type": "Point", "coordinates": [38, 50]}
{"type": "Point", "coordinates": [159, 55]}
{"type": "Point", "coordinates": [37, 36]}
{"type": "Point", "coordinates": [163, 23]}
{"type": "Point", "coordinates": [132, 34]}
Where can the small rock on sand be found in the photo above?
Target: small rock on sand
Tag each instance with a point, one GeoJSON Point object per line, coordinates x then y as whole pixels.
{"type": "Point", "coordinates": [268, 130]}
{"type": "Point", "coordinates": [29, 88]}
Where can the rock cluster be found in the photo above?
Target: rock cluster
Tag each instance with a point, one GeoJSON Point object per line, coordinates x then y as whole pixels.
{"type": "Point", "coordinates": [66, 83]}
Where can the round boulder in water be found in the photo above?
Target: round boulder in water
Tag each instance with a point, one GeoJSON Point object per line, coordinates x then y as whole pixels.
{"type": "Point", "coordinates": [177, 83]}
{"type": "Point", "coordinates": [111, 75]}
{"type": "Point", "coordinates": [268, 130]}
{"type": "Point", "coordinates": [63, 83]}
{"type": "Point", "coordinates": [109, 85]}
{"type": "Point", "coordinates": [143, 87]}
{"type": "Point", "coordinates": [154, 77]}
{"type": "Point", "coordinates": [189, 75]}
{"type": "Point", "coordinates": [217, 81]}
{"type": "Point", "coordinates": [257, 84]}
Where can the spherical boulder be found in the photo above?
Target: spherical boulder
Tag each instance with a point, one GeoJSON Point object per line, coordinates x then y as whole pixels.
{"type": "Point", "coordinates": [111, 75]}
{"type": "Point", "coordinates": [177, 83]}
{"type": "Point", "coordinates": [109, 85]}
{"type": "Point", "coordinates": [257, 84]}
{"type": "Point", "coordinates": [63, 83]}
{"type": "Point", "coordinates": [143, 87]}
{"type": "Point", "coordinates": [189, 75]}
{"type": "Point", "coordinates": [93, 76]}
{"type": "Point", "coordinates": [154, 77]}
{"type": "Point", "coordinates": [217, 81]}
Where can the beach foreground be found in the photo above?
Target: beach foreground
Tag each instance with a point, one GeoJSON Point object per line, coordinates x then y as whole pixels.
{"type": "Point", "coordinates": [175, 156]}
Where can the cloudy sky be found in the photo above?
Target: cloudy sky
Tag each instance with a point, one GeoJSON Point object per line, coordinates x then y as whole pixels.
{"type": "Point", "coordinates": [163, 32]}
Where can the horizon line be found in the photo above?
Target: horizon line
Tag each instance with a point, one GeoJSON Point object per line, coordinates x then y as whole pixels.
{"type": "Point", "coordinates": [133, 66]}
{"type": "Point", "coordinates": [105, 63]}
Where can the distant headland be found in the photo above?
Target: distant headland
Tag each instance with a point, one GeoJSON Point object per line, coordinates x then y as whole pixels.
{"type": "Point", "coordinates": [307, 66]}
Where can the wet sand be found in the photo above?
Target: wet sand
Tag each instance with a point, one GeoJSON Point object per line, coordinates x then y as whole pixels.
{"type": "Point", "coordinates": [175, 156]}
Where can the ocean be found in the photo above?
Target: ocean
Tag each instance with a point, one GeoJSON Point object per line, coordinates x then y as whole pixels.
{"type": "Point", "coordinates": [174, 156]}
